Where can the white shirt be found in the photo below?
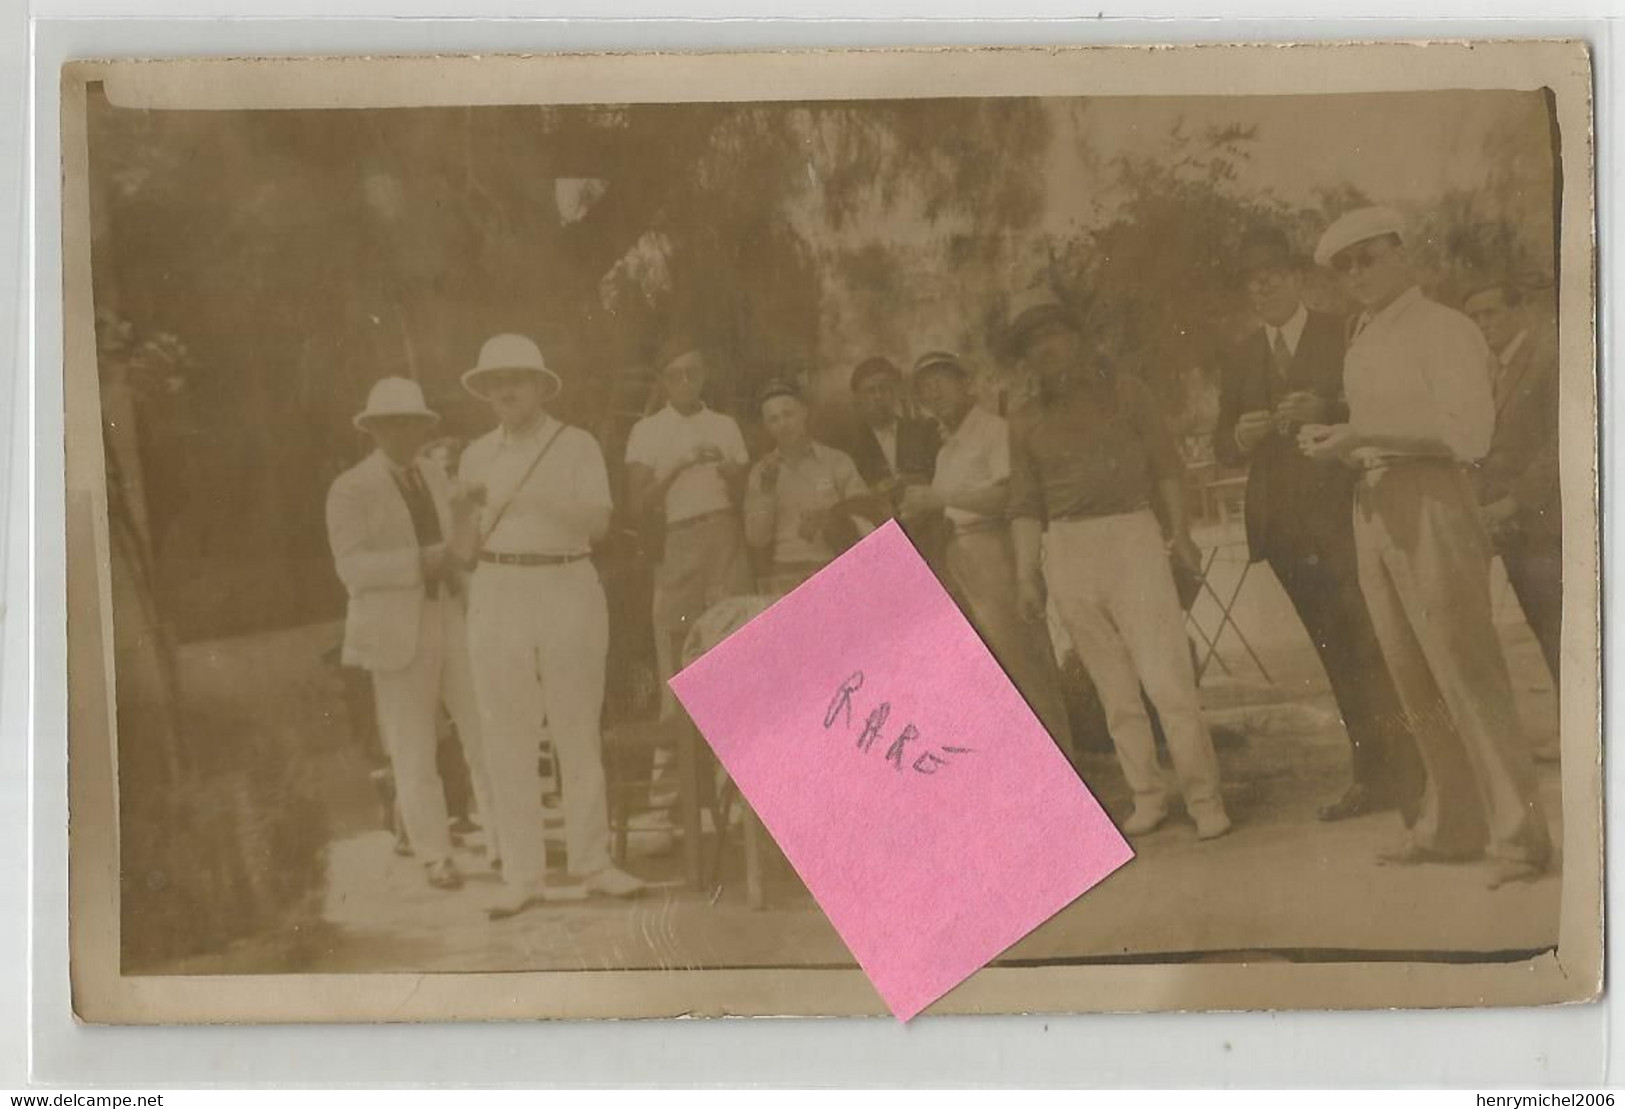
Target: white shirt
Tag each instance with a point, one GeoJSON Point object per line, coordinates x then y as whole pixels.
{"type": "Point", "coordinates": [1417, 368]}
{"type": "Point", "coordinates": [1291, 331]}
{"type": "Point", "coordinates": [887, 438]}
{"type": "Point", "coordinates": [818, 480]}
{"type": "Point", "coordinates": [571, 474]}
{"type": "Point", "coordinates": [664, 439]}
{"type": "Point", "coordinates": [974, 456]}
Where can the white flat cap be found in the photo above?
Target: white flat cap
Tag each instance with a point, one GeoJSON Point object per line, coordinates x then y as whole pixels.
{"type": "Point", "coordinates": [1356, 227]}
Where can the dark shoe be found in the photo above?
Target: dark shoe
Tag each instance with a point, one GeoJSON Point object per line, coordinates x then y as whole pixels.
{"type": "Point", "coordinates": [1406, 853]}
{"type": "Point", "coordinates": [1410, 853]}
{"type": "Point", "coordinates": [1357, 800]}
{"type": "Point", "coordinates": [443, 875]}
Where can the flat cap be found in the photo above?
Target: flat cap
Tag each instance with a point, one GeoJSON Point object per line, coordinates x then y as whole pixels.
{"type": "Point", "coordinates": [1356, 227]}
{"type": "Point", "coordinates": [777, 388]}
{"type": "Point", "coordinates": [875, 366]}
{"type": "Point", "coordinates": [673, 348]}
{"type": "Point", "coordinates": [945, 361]}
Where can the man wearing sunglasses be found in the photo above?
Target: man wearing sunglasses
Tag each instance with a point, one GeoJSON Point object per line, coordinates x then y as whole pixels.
{"type": "Point", "coordinates": [1417, 377]}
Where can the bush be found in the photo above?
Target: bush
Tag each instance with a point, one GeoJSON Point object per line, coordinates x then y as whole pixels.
{"type": "Point", "coordinates": [218, 858]}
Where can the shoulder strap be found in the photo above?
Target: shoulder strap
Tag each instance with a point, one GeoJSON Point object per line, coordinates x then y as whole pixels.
{"type": "Point", "coordinates": [503, 510]}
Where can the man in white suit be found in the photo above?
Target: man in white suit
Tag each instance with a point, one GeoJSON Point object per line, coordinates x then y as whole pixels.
{"type": "Point", "coordinates": [535, 497]}
{"type": "Point", "coordinates": [387, 521]}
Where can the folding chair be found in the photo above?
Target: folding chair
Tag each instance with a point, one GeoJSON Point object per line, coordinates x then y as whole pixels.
{"type": "Point", "coordinates": [1210, 652]}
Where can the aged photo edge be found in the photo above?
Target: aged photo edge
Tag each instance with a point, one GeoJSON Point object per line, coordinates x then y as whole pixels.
{"type": "Point", "coordinates": [101, 994]}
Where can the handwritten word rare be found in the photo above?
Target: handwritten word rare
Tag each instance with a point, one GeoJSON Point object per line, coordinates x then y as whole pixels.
{"type": "Point", "coordinates": [898, 751]}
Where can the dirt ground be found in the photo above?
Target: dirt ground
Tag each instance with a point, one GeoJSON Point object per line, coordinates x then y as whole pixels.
{"type": "Point", "coordinates": [1282, 882]}
{"type": "Point", "coordinates": [1282, 885]}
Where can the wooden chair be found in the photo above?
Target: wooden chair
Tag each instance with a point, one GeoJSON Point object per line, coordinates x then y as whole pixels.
{"type": "Point", "coordinates": [629, 764]}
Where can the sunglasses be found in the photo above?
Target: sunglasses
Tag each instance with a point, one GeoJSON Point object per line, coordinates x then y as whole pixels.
{"type": "Point", "coordinates": [1363, 259]}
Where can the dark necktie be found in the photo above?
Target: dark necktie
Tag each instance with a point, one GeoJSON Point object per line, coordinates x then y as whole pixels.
{"type": "Point", "coordinates": [425, 519]}
{"type": "Point", "coordinates": [1280, 356]}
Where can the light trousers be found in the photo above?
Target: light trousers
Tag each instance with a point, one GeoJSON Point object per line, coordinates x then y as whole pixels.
{"type": "Point", "coordinates": [408, 703]}
{"type": "Point", "coordinates": [703, 563]}
{"type": "Point", "coordinates": [1425, 572]}
{"type": "Point", "coordinates": [538, 640]}
{"type": "Point", "coordinates": [982, 566]}
{"type": "Point", "coordinates": [1110, 581]}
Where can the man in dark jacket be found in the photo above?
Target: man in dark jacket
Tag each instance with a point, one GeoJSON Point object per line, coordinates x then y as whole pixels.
{"type": "Point", "coordinates": [1288, 373]}
{"type": "Point", "coordinates": [1517, 480]}
{"type": "Point", "coordinates": [893, 451]}
{"type": "Point", "coordinates": [890, 450]}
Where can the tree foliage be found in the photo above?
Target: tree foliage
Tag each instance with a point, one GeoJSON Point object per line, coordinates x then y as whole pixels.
{"type": "Point", "coordinates": [296, 256]}
{"type": "Point", "coordinates": [300, 255]}
{"type": "Point", "coordinates": [1157, 280]}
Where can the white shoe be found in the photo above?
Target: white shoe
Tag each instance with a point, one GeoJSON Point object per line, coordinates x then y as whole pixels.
{"type": "Point", "coordinates": [1211, 823]}
{"type": "Point", "coordinates": [613, 882]}
{"type": "Point", "coordinates": [516, 899]}
{"type": "Point", "coordinates": [1144, 819]}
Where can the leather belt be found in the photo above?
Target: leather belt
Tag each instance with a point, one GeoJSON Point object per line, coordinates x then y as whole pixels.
{"type": "Point", "coordinates": [1080, 517]}
{"type": "Point", "coordinates": [980, 527]}
{"type": "Point", "coordinates": [690, 521]}
{"type": "Point", "coordinates": [1372, 470]}
{"type": "Point", "coordinates": [502, 559]}
{"type": "Point", "coordinates": [1396, 461]}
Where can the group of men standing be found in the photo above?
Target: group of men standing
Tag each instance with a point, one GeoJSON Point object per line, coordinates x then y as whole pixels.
{"type": "Point", "coordinates": [1091, 473]}
{"type": "Point", "coordinates": [1436, 426]}
{"type": "Point", "coordinates": [1358, 437]}
{"type": "Point", "coordinates": [482, 596]}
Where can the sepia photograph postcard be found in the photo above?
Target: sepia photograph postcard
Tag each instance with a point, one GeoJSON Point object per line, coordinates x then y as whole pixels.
{"type": "Point", "coordinates": [425, 416]}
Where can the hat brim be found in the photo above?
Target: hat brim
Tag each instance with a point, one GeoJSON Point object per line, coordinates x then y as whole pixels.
{"type": "Point", "coordinates": [471, 378]}
{"type": "Point", "coordinates": [668, 355]}
{"type": "Point", "coordinates": [1326, 252]}
{"type": "Point", "coordinates": [950, 366]}
{"type": "Point", "coordinates": [776, 391]}
{"type": "Point", "coordinates": [360, 418]}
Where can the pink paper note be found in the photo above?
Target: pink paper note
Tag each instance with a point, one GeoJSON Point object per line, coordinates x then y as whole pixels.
{"type": "Point", "coordinates": [901, 773]}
